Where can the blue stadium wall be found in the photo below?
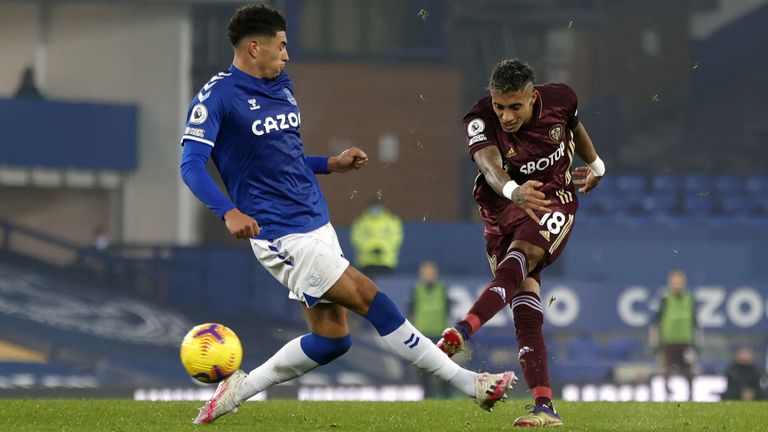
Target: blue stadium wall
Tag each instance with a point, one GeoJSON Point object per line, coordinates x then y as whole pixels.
{"type": "Point", "coordinates": [610, 275]}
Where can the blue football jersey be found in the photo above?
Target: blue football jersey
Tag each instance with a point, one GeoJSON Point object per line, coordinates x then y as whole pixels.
{"type": "Point", "coordinates": [253, 126]}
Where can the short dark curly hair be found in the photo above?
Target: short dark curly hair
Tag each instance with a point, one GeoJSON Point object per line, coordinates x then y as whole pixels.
{"type": "Point", "coordinates": [511, 75]}
{"type": "Point", "coordinates": [254, 20]}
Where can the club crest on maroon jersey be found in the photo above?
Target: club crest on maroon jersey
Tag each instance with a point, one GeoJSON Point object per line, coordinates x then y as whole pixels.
{"type": "Point", "coordinates": [556, 133]}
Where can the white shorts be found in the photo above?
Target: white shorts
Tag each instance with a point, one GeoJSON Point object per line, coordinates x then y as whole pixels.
{"type": "Point", "coordinates": [307, 264]}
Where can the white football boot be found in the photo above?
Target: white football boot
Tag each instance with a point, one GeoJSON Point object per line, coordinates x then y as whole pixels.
{"type": "Point", "coordinates": [491, 388]}
{"type": "Point", "coordinates": [225, 399]}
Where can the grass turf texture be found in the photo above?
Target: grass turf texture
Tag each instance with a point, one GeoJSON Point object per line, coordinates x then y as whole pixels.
{"type": "Point", "coordinates": [288, 415]}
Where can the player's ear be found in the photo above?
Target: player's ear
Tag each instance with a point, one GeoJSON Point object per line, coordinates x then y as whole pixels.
{"type": "Point", "coordinates": [534, 96]}
{"type": "Point", "coordinates": [251, 47]}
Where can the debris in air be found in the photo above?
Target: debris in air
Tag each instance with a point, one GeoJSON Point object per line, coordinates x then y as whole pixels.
{"type": "Point", "coordinates": [423, 14]}
{"type": "Point", "coordinates": [551, 300]}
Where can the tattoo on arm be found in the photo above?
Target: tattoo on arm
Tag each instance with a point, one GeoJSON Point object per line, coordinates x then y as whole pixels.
{"type": "Point", "coordinates": [489, 162]}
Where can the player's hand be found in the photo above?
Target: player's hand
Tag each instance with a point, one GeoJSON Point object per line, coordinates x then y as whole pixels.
{"type": "Point", "coordinates": [241, 225]}
{"type": "Point", "coordinates": [350, 158]}
{"type": "Point", "coordinates": [584, 177]}
{"type": "Point", "coordinates": [528, 197]}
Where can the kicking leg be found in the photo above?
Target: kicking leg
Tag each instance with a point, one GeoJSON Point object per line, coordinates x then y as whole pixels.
{"type": "Point", "coordinates": [520, 259]}
{"type": "Point", "coordinates": [358, 293]}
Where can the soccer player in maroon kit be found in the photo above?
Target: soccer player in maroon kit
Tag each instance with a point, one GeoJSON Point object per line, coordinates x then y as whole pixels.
{"type": "Point", "coordinates": [523, 138]}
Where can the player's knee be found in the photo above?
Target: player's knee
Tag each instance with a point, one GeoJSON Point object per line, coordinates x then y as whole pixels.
{"type": "Point", "coordinates": [366, 291]}
{"type": "Point", "coordinates": [323, 349]}
{"type": "Point", "coordinates": [533, 254]}
{"type": "Point", "coordinates": [531, 285]}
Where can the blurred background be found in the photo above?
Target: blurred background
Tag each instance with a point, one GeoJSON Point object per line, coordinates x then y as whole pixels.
{"type": "Point", "coordinates": [106, 259]}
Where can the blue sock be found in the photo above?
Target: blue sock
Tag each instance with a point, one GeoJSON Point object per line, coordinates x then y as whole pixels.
{"type": "Point", "coordinates": [323, 349]}
{"type": "Point", "coordinates": [384, 315]}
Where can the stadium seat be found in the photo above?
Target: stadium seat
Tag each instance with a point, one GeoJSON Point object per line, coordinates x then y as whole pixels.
{"type": "Point", "coordinates": [584, 348]}
{"type": "Point", "coordinates": [761, 204]}
{"type": "Point", "coordinates": [631, 184]}
{"type": "Point", "coordinates": [694, 205]}
{"type": "Point", "coordinates": [666, 183]}
{"type": "Point", "coordinates": [590, 204]}
{"type": "Point", "coordinates": [738, 204]}
{"type": "Point", "coordinates": [607, 185]}
{"type": "Point", "coordinates": [757, 185]}
{"type": "Point", "coordinates": [697, 184]}
{"type": "Point", "coordinates": [620, 350]}
{"type": "Point", "coordinates": [730, 185]}
{"type": "Point", "coordinates": [620, 203]}
{"type": "Point", "coordinates": [660, 203]}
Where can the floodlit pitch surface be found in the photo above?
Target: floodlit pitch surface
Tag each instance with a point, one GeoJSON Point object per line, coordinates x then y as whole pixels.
{"type": "Point", "coordinates": [443, 416]}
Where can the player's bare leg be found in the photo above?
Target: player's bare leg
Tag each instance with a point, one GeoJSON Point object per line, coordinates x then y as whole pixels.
{"type": "Point", "coordinates": [358, 293]}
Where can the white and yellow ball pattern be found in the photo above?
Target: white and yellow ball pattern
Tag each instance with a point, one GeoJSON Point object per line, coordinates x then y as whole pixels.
{"type": "Point", "coordinates": [211, 352]}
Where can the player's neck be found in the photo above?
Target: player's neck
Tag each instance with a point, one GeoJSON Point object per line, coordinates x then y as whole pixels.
{"type": "Point", "coordinates": [244, 66]}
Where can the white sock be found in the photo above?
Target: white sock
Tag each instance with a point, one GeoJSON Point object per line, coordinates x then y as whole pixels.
{"type": "Point", "coordinates": [409, 344]}
{"type": "Point", "coordinates": [288, 363]}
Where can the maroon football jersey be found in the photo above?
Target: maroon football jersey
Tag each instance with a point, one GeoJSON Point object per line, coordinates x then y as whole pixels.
{"type": "Point", "coordinates": [540, 150]}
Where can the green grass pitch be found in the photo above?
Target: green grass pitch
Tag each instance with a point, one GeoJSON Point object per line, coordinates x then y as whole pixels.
{"type": "Point", "coordinates": [443, 416]}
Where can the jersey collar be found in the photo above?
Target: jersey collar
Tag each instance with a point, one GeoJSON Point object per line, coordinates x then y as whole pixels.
{"type": "Point", "coordinates": [259, 81]}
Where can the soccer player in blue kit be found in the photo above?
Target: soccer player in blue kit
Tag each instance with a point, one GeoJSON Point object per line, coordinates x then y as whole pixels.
{"type": "Point", "coordinates": [248, 120]}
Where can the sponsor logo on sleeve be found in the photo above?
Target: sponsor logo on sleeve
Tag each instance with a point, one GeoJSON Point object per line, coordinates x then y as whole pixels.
{"type": "Point", "coordinates": [477, 138]}
{"type": "Point", "coordinates": [195, 132]}
{"type": "Point", "coordinates": [475, 127]}
{"type": "Point", "coordinates": [199, 114]}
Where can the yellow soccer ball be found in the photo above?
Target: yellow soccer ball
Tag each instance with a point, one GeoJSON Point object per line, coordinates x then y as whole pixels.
{"type": "Point", "coordinates": [211, 352]}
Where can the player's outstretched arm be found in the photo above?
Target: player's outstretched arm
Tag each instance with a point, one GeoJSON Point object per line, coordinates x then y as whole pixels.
{"type": "Point", "coordinates": [586, 176]}
{"type": "Point", "coordinates": [351, 158]}
{"type": "Point", "coordinates": [526, 196]}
